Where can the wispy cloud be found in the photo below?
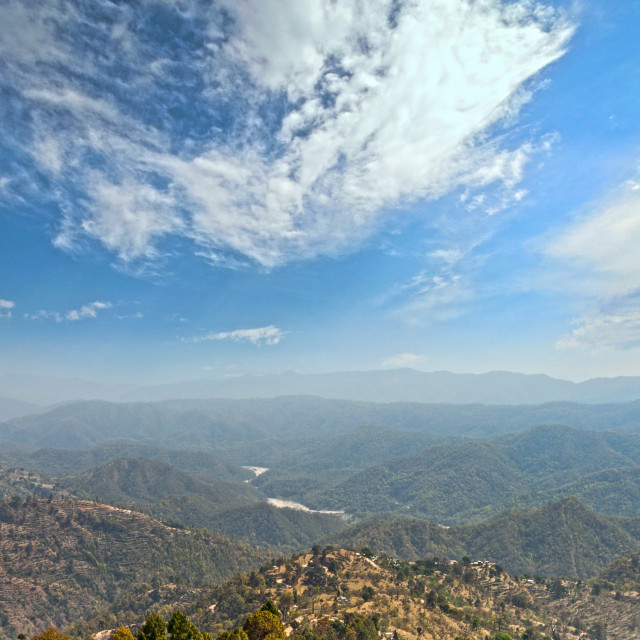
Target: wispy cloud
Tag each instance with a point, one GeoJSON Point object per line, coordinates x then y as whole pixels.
{"type": "Point", "coordinates": [85, 312]}
{"type": "Point", "coordinates": [603, 246]}
{"type": "Point", "coordinates": [261, 336]}
{"type": "Point", "coordinates": [43, 314]}
{"type": "Point", "coordinates": [612, 324]}
{"type": "Point", "coordinates": [401, 360]}
{"type": "Point", "coordinates": [445, 287]}
{"type": "Point", "coordinates": [268, 131]}
{"type": "Point", "coordinates": [597, 258]}
{"type": "Point", "coordinates": [138, 315]}
{"type": "Point", "coordinates": [6, 307]}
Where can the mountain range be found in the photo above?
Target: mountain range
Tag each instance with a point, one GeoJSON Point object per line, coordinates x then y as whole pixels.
{"type": "Point", "coordinates": [225, 424]}
{"type": "Point", "coordinates": [394, 385]}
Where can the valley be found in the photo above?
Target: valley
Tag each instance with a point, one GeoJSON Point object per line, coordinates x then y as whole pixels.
{"type": "Point", "coordinates": [112, 513]}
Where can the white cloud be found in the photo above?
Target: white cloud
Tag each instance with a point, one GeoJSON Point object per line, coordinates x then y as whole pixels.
{"type": "Point", "coordinates": [375, 116]}
{"type": "Point", "coordinates": [138, 315]}
{"type": "Point", "coordinates": [449, 256]}
{"type": "Point", "coordinates": [84, 312]}
{"type": "Point", "coordinates": [435, 297]}
{"type": "Point", "coordinates": [445, 287]}
{"type": "Point", "coordinates": [614, 325]}
{"type": "Point", "coordinates": [129, 217]}
{"type": "Point", "coordinates": [597, 257]}
{"type": "Point", "coordinates": [603, 246]}
{"type": "Point", "coordinates": [6, 307]}
{"type": "Point", "coordinates": [263, 335]}
{"type": "Point", "coordinates": [174, 317]}
{"type": "Point", "coordinates": [402, 360]}
{"type": "Point", "coordinates": [87, 311]}
{"type": "Point", "coordinates": [42, 314]}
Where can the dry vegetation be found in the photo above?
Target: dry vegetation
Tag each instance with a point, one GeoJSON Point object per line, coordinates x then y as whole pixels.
{"type": "Point", "coordinates": [429, 600]}
{"type": "Point", "coordinates": [60, 560]}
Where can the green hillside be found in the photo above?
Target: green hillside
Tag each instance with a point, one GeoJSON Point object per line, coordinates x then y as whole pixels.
{"type": "Point", "coordinates": [356, 448]}
{"type": "Point", "coordinates": [140, 480]}
{"type": "Point", "coordinates": [471, 480]}
{"type": "Point", "coordinates": [283, 529]}
{"type": "Point", "coordinates": [84, 425]}
{"type": "Point", "coordinates": [60, 462]}
{"type": "Point", "coordinates": [623, 573]}
{"type": "Point", "coordinates": [613, 492]}
{"type": "Point", "coordinates": [169, 494]}
{"type": "Point", "coordinates": [564, 538]}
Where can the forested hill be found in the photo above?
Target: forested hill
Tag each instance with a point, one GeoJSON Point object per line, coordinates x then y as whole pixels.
{"type": "Point", "coordinates": [624, 573]}
{"type": "Point", "coordinates": [220, 424]}
{"type": "Point", "coordinates": [62, 559]}
{"type": "Point", "coordinates": [564, 538]}
{"type": "Point", "coordinates": [140, 480]}
{"type": "Point", "coordinates": [167, 493]}
{"type": "Point", "coordinates": [56, 461]}
{"type": "Point", "coordinates": [471, 480]}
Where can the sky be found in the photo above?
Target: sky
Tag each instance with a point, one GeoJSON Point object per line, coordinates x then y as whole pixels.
{"type": "Point", "coordinates": [215, 188]}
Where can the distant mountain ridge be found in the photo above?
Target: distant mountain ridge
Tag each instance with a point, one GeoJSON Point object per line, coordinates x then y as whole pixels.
{"type": "Point", "coordinates": [221, 424]}
{"type": "Point", "coordinates": [12, 408]}
{"type": "Point", "coordinates": [393, 385]}
{"type": "Point", "coordinates": [406, 385]}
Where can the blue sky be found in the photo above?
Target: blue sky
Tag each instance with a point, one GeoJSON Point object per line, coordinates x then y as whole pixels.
{"type": "Point", "coordinates": [193, 189]}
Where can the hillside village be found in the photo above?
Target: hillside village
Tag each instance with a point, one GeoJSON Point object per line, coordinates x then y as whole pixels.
{"type": "Point", "coordinates": [319, 594]}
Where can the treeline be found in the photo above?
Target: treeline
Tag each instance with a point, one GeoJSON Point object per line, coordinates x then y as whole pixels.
{"type": "Point", "coordinates": [266, 624]}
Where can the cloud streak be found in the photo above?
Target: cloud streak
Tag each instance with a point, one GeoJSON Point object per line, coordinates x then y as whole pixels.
{"type": "Point", "coordinates": [402, 360]}
{"type": "Point", "coordinates": [260, 336]}
{"type": "Point", "coordinates": [598, 255]}
{"type": "Point", "coordinates": [85, 312]}
{"type": "Point", "coordinates": [267, 131]}
{"type": "Point", "coordinates": [6, 307]}
{"type": "Point", "coordinates": [613, 324]}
